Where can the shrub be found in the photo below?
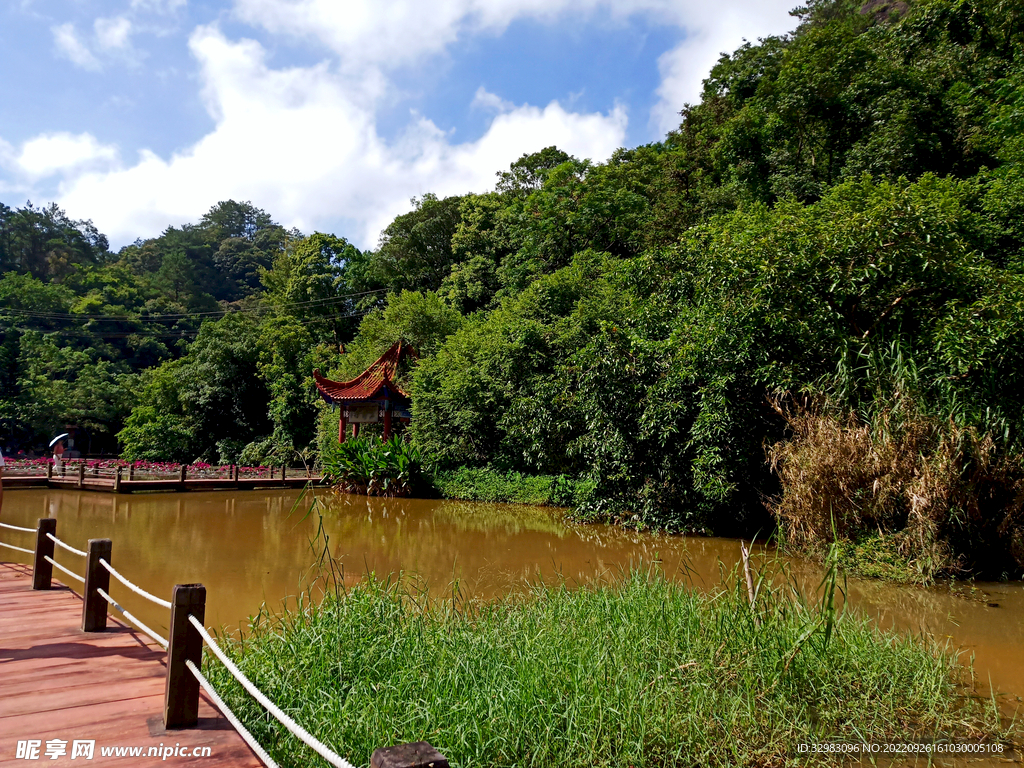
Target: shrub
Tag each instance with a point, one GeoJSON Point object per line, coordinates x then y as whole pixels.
{"type": "Point", "coordinates": [489, 484]}
{"type": "Point", "coordinates": [372, 467]}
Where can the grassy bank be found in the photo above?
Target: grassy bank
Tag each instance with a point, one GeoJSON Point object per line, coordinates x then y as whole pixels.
{"type": "Point", "coordinates": [486, 484]}
{"type": "Point", "coordinates": [644, 672]}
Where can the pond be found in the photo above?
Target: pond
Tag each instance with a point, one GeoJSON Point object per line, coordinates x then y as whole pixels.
{"type": "Point", "coordinates": [256, 547]}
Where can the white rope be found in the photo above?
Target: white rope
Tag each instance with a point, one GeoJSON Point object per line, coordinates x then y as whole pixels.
{"type": "Point", "coordinates": [246, 736]}
{"type": "Point", "coordinates": [68, 547]}
{"type": "Point", "coordinates": [17, 528]}
{"type": "Point", "coordinates": [132, 587]}
{"type": "Point", "coordinates": [132, 619]}
{"type": "Point", "coordinates": [323, 750]}
{"type": "Point", "coordinates": [57, 565]}
{"type": "Point", "coordinates": [20, 549]}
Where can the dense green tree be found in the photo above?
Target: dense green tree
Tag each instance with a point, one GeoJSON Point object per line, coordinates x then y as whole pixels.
{"type": "Point", "coordinates": [46, 243]}
{"type": "Point", "coordinates": [415, 250]}
{"type": "Point", "coordinates": [307, 282]}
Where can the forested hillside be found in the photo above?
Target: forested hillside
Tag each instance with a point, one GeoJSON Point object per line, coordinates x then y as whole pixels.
{"type": "Point", "coordinates": [808, 299]}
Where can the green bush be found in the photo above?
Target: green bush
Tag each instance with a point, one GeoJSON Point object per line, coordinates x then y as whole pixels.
{"type": "Point", "coordinates": [487, 484]}
{"type": "Point", "coordinates": [373, 467]}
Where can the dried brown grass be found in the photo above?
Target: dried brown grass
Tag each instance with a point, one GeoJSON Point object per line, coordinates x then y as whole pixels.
{"type": "Point", "coordinates": [949, 499]}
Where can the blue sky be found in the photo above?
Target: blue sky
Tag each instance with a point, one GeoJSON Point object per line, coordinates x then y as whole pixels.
{"type": "Point", "coordinates": [332, 114]}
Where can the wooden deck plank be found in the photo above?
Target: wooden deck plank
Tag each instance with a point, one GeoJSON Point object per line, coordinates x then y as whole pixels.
{"type": "Point", "coordinates": [57, 682]}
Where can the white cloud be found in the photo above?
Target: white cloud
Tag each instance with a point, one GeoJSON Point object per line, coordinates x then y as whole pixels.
{"type": "Point", "coordinates": [113, 33]}
{"type": "Point", "coordinates": [302, 143]}
{"type": "Point", "coordinates": [71, 47]}
{"type": "Point", "coordinates": [391, 33]}
{"type": "Point", "coordinates": [60, 153]}
{"type": "Point", "coordinates": [158, 6]}
{"type": "Point", "coordinates": [490, 102]}
{"type": "Point", "coordinates": [711, 30]}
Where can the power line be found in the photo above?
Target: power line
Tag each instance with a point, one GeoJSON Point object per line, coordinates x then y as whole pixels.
{"type": "Point", "coordinates": [185, 315]}
{"type": "Point", "coordinates": [169, 335]}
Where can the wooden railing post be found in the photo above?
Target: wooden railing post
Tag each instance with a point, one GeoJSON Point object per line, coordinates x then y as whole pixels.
{"type": "Point", "coordinates": [94, 607]}
{"type": "Point", "coordinates": [284, 471]}
{"type": "Point", "coordinates": [42, 571]}
{"type": "Point", "coordinates": [418, 754]}
{"type": "Point", "coordinates": [81, 475]}
{"type": "Point", "coordinates": [131, 471]}
{"type": "Point", "coordinates": [49, 471]}
{"type": "Point", "coordinates": [181, 696]}
{"type": "Point", "coordinates": [181, 476]}
{"type": "Point", "coordinates": [117, 481]}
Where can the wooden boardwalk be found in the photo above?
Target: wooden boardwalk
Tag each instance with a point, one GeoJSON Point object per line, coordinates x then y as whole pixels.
{"type": "Point", "coordinates": [57, 682]}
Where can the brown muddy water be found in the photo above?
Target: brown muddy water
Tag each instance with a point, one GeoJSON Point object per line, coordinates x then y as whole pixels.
{"type": "Point", "coordinates": [254, 547]}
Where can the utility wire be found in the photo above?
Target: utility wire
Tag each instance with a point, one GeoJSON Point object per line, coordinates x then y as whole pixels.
{"type": "Point", "coordinates": [186, 315]}
{"type": "Point", "coordinates": [83, 334]}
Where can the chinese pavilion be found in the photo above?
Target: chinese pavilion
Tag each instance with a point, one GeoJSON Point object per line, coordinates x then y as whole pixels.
{"type": "Point", "coordinates": [372, 396]}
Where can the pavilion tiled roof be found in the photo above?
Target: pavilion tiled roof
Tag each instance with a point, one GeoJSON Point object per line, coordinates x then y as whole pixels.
{"type": "Point", "coordinates": [371, 383]}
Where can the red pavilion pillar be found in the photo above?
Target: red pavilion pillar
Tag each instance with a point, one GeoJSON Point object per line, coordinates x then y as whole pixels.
{"type": "Point", "coordinates": [387, 422]}
{"type": "Point", "coordinates": [342, 424]}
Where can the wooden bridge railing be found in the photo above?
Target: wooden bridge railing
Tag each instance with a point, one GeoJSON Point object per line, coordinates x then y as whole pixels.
{"type": "Point", "coordinates": [184, 647]}
{"type": "Point", "coordinates": [73, 468]}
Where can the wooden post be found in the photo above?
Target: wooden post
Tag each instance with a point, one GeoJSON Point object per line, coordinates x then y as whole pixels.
{"type": "Point", "coordinates": [42, 571]}
{"type": "Point", "coordinates": [81, 475]}
{"type": "Point", "coordinates": [117, 481]}
{"type": "Point", "coordinates": [131, 471]}
{"type": "Point", "coordinates": [94, 607]}
{"type": "Point", "coordinates": [49, 472]}
{"type": "Point", "coordinates": [234, 473]}
{"type": "Point", "coordinates": [418, 754]}
{"type": "Point", "coordinates": [284, 472]}
{"type": "Point", "coordinates": [181, 696]}
{"type": "Point", "coordinates": [342, 426]}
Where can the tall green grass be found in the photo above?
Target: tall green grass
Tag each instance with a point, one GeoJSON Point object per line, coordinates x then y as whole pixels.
{"type": "Point", "coordinates": [640, 672]}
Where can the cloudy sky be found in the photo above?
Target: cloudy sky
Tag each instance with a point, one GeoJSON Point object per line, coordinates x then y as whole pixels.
{"type": "Point", "coordinates": [332, 114]}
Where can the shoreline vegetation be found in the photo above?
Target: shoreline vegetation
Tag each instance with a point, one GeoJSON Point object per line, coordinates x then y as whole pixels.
{"type": "Point", "coordinates": [801, 312]}
{"type": "Point", "coordinates": [640, 671]}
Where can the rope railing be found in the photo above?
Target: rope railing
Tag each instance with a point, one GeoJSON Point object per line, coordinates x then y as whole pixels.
{"type": "Point", "coordinates": [301, 733]}
{"type": "Point", "coordinates": [60, 567]}
{"type": "Point", "coordinates": [162, 641]}
{"type": "Point", "coordinates": [183, 647]}
{"type": "Point", "coordinates": [231, 718]}
{"type": "Point", "coordinates": [17, 528]}
{"type": "Point", "coordinates": [68, 547]}
{"type": "Point", "coordinates": [19, 549]}
{"type": "Point", "coordinates": [134, 588]}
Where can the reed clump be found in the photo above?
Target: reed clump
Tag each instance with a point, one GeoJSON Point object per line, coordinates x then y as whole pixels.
{"type": "Point", "coordinates": [640, 672]}
{"type": "Point", "coordinates": [917, 496]}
